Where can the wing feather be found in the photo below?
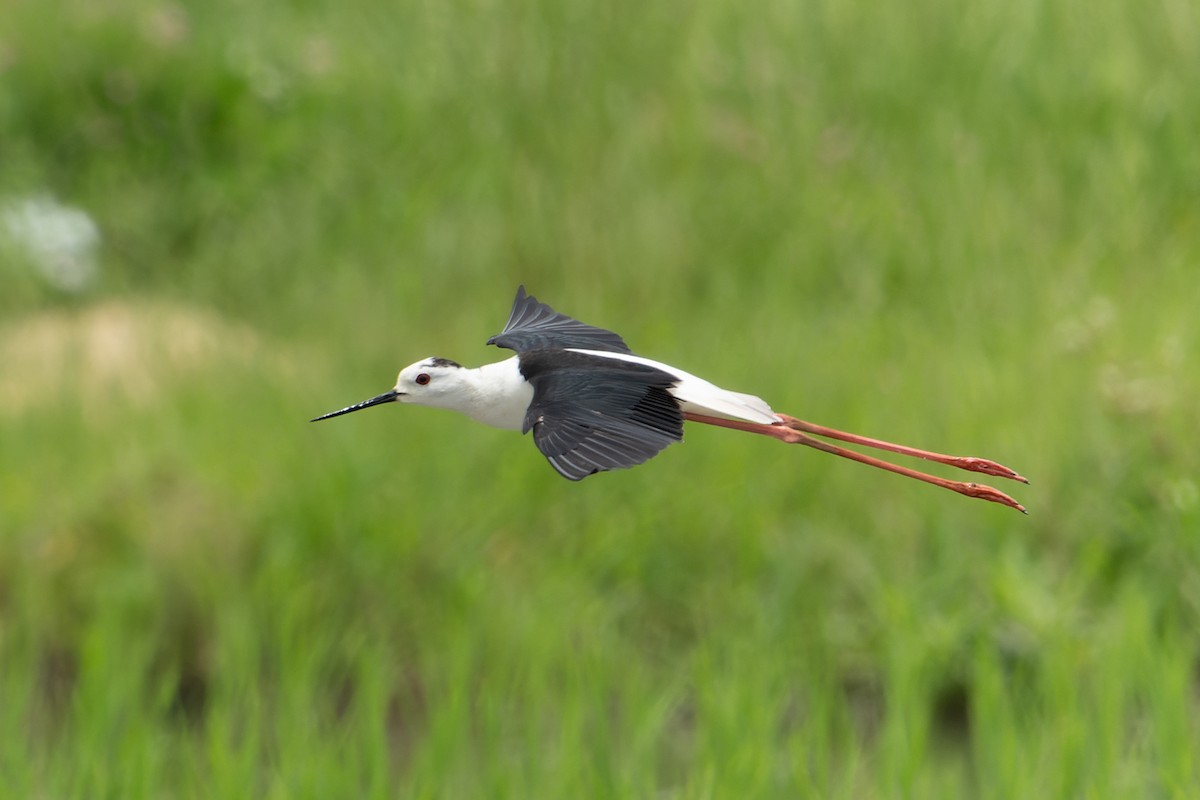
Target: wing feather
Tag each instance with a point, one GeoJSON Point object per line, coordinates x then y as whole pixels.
{"type": "Point", "coordinates": [533, 325]}
{"type": "Point", "coordinates": [590, 414]}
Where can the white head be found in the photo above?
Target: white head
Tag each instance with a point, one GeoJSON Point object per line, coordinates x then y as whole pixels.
{"type": "Point", "coordinates": [437, 382]}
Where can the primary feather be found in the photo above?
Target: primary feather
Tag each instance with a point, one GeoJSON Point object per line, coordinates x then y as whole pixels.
{"type": "Point", "coordinates": [532, 325]}
{"type": "Point", "coordinates": [591, 414]}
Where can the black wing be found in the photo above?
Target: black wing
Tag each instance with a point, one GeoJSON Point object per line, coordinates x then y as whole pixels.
{"type": "Point", "coordinates": [533, 325]}
{"type": "Point", "coordinates": [591, 414]}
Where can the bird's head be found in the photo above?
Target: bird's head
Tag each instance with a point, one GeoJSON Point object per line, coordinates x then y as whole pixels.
{"type": "Point", "coordinates": [429, 382]}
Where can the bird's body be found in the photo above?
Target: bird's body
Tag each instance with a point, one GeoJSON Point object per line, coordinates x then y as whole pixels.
{"type": "Point", "coordinates": [592, 405]}
{"type": "Point", "coordinates": [499, 394]}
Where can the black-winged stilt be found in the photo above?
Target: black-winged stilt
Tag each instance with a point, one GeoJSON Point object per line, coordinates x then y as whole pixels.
{"type": "Point", "coordinates": [594, 406]}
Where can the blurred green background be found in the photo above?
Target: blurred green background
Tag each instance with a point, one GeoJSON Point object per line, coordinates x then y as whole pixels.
{"type": "Point", "coordinates": [971, 227]}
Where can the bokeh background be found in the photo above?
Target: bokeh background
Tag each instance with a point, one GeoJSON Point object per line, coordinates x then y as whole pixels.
{"type": "Point", "coordinates": [971, 227]}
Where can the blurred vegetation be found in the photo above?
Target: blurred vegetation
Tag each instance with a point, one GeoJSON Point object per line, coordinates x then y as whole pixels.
{"type": "Point", "coordinates": [968, 227]}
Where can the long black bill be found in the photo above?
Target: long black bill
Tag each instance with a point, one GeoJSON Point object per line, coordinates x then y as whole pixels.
{"type": "Point", "coordinates": [386, 397]}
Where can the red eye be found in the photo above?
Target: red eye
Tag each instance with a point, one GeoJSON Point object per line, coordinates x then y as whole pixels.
{"type": "Point", "coordinates": [422, 379]}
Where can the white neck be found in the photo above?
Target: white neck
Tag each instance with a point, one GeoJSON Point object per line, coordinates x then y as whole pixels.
{"type": "Point", "coordinates": [495, 394]}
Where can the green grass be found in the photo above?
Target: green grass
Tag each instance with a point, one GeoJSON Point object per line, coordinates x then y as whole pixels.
{"type": "Point", "coordinates": [969, 227]}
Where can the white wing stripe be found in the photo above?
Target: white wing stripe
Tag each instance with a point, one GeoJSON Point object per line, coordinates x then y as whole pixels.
{"type": "Point", "coordinates": [698, 395]}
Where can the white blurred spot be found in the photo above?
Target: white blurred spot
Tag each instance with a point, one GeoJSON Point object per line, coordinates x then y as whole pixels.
{"type": "Point", "coordinates": [61, 241]}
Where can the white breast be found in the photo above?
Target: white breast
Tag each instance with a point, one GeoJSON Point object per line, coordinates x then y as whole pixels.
{"type": "Point", "coordinates": [498, 395]}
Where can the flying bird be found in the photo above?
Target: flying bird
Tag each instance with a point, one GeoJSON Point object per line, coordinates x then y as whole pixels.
{"type": "Point", "coordinates": [592, 405]}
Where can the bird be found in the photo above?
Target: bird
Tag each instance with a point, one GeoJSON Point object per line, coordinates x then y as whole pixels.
{"type": "Point", "coordinates": [592, 405]}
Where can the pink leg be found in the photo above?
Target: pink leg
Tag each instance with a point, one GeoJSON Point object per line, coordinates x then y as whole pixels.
{"type": "Point", "coordinates": [962, 462]}
{"type": "Point", "coordinates": [786, 432]}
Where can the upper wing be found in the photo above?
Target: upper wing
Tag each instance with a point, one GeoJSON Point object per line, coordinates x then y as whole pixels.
{"type": "Point", "coordinates": [594, 414]}
{"type": "Point", "coordinates": [533, 325]}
